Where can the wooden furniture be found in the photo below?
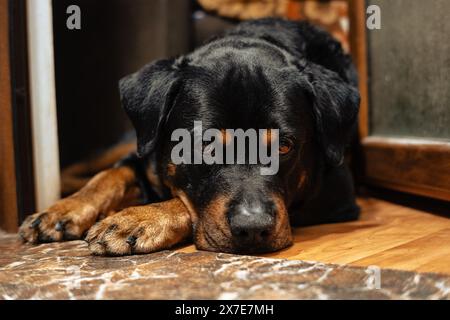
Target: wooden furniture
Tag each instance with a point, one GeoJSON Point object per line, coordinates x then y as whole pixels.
{"type": "Point", "coordinates": [8, 195]}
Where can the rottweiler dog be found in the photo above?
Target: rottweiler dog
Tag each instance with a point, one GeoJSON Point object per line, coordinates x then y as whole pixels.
{"type": "Point", "coordinates": [263, 74]}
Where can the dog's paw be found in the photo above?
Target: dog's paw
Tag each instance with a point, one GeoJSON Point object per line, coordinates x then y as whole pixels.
{"type": "Point", "coordinates": [140, 230]}
{"type": "Point", "coordinates": [67, 219]}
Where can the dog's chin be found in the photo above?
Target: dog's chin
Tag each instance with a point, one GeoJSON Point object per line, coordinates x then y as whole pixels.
{"type": "Point", "coordinates": [203, 242]}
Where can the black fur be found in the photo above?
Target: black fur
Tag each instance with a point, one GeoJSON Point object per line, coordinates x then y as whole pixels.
{"type": "Point", "coordinates": [132, 161]}
{"type": "Point", "coordinates": [267, 73]}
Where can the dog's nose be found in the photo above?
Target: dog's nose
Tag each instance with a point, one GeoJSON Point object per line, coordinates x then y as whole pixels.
{"type": "Point", "coordinates": [252, 224]}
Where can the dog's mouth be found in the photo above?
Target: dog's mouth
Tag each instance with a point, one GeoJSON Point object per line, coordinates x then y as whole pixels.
{"type": "Point", "coordinates": [214, 240]}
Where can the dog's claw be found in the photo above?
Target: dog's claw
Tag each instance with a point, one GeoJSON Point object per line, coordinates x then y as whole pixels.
{"type": "Point", "coordinates": [36, 223]}
{"type": "Point", "coordinates": [60, 225]}
{"type": "Point", "coordinates": [131, 240]}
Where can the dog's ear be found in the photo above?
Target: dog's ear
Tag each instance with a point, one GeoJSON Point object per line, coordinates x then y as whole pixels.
{"type": "Point", "coordinates": [147, 97]}
{"type": "Point", "coordinates": [335, 110]}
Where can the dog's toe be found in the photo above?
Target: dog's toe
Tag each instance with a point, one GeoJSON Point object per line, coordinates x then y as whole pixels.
{"type": "Point", "coordinates": [109, 237]}
{"type": "Point", "coordinates": [39, 228]}
{"type": "Point", "coordinates": [68, 219]}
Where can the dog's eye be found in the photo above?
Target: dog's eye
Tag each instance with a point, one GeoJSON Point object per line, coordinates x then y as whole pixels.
{"type": "Point", "coordinates": [286, 145]}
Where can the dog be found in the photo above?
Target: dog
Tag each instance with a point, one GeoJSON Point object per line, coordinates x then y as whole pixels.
{"type": "Point", "coordinates": [262, 74]}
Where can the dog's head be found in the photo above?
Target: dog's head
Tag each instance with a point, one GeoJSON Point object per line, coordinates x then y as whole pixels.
{"type": "Point", "coordinates": [306, 109]}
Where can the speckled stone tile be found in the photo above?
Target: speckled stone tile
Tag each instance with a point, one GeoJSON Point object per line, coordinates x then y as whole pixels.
{"type": "Point", "coordinates": [68, 271]}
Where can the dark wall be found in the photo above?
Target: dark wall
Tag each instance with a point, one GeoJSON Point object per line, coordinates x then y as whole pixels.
{"type": "Point", "coordinates": [117, 37]}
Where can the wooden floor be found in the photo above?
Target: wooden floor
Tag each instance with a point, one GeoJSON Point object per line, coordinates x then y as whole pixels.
{"type": "Point", "coordinates": [387, 235]}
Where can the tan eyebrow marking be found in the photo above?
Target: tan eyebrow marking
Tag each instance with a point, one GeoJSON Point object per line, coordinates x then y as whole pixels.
{"type": "Point", "coordinates": [269, 136]}
{"type": "Point", "coordinates": [226, 137]}
{"type": "Point", "coordinates": [171, 169]}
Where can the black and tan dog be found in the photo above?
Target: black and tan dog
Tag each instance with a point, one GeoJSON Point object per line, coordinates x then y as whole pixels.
{"type": "Point", "coordinates": [262, 74]}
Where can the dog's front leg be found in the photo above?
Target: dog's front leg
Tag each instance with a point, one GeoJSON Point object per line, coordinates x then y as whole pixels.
{"type": "Point", "coordinates": [141, 229]}
{"type": "Point", "coordinates": [71, 217]}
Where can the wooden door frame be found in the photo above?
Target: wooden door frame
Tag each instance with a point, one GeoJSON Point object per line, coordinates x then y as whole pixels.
{"type": "Point", "coordinates": [8, 188]}
{"type": "Point", "coordinates": [417, 166]}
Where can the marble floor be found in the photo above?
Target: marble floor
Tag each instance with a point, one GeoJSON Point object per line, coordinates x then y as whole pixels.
{"type": "Point", "coordinates": [68, 271]}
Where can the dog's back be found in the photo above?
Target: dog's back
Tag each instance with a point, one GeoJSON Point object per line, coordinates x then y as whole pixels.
{"type": "Point", "coordinates": [302, 40]}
